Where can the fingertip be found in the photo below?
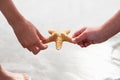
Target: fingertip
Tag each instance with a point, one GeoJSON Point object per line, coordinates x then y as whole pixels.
{"type": "Point", "coordinates": [41, 37]}
{"type": "Point", "coordinates": [74, 41]}
{"type": "Point", "coordinates": [36, 52]}
{"type": "Point", "coordinates": [83, 46]}
{"type": "Point", "coordinates": [43, 46]}
{"type": "Point", "coordinates": [46, 46]}
{"type": "Point", "coordinates": [73, 36]}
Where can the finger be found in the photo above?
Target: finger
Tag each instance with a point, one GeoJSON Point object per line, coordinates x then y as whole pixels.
{"type": "Point", "coordinates": [40, 36]}
{"type": "Point", "coordinates": [33, 49]}
{"type": "Point", "coordinates": [37, 46]}
{"type": "Point", "coordinates": [81, 44]}
{"type": "Point", "coordinates": [78, 32]}
{"type": "Point", "coordinates": [87, 44]}
{"type": "Point", "coordinates": [37, 49]}
{"type": "Point", "coordinates": [79, 38]}
{"type": "Point", "coordinates": [41, 45]}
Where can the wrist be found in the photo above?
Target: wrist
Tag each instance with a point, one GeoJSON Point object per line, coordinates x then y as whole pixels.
{"type": "Point", "coordinates": [112, 26]}
{"type": "Point", "coordinates": [15, 20]}
{"type": "Point", "coordinates": [108, 30]}
{"type": "Point", "coordinates": [18, 24]}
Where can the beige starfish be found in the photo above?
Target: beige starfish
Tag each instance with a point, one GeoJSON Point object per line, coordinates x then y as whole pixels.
{"type": "Point", "coordinates": [58, 37]}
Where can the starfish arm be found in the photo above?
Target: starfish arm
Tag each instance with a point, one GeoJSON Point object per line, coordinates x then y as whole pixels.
{"type": "Point", "coordinates": [66, 31]}
{"type": "Point", "coordinates": [59, 42]}
{"type": "Point", "coordinates": [58, 37]}
{"type": "Point", "coordinates": [66, 38]}
{"type": "Point", "coordinates": [51, 31]}
{"type": "Point", "coordinates": [51, 38]}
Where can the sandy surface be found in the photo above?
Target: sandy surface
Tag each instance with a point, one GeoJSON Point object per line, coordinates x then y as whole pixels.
{"type": "Point", "coordinates": [96, 62]}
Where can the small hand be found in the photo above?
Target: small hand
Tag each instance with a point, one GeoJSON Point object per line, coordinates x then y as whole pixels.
{"type": "Point", "coordinates": [29, 36]}
{"type": "Point", "coordinates": [87, 36]}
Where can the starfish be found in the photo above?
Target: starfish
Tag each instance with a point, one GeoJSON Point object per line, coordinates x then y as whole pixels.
{"type": "Point", "coordinates": [58, 37]}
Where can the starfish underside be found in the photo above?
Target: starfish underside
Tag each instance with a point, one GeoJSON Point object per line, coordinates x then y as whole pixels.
{"type": "Point", "coordinates": [58, 37]}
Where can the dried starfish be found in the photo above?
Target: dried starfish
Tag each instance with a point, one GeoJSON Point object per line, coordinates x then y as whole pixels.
{"type": "Point", "coordinates": [58, 37]}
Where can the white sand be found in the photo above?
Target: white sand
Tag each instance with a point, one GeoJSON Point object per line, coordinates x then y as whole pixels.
{"type": "Point", "coordinates": [72, 62]}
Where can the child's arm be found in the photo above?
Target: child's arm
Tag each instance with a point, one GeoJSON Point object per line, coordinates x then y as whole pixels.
{"type": "Point", "coordinates": [112, 26]}
{"type": "Point", "coordinates": [27, 34]}
{"type": "Point", "coordinates": [87, 36]}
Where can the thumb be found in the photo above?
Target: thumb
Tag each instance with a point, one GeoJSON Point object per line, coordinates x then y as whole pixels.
{"type": "Point", "coordinates": [79, 38]}
{"type": "Point", "coordinates": [40, 36]}
{"type": "Point", "coordinates": [77, 33]}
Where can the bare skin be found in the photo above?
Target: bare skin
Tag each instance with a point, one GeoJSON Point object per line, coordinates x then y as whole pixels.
{"type": "Point", "coordinates": [87, 36]}
{"type": "Point", "coordinates": [26, 33]}
{"type": "Point", "coordinates": [6, 75]}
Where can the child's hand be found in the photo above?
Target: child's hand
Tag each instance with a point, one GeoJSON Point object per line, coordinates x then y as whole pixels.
{"type": "Point", "coordinates": [29, 36]}
{"type": "Point", "coordinates": [87, 36]}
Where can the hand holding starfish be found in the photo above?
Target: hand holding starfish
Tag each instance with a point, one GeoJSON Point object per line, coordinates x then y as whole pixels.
{"type": "Point", "coordinates": [58, 37]}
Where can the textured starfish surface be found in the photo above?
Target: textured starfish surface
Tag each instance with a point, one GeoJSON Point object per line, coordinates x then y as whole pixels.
{"type": "Point", "coordinates": [58, 37]}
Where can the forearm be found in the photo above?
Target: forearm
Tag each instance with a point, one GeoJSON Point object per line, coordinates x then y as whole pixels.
{"type": "Point", "coordinates": [10, 12]}
{"type": "Point", "coordinates": [112, 26]}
